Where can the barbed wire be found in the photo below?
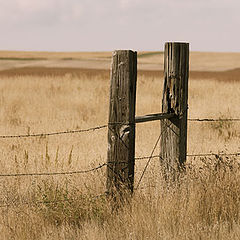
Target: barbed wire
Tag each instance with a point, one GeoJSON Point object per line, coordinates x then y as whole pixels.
{"type": "Point", "coordinates": [106, 164]}
{"type": "Point", "coordinates": [214, 120]}
{"type": "Point", "coordinates": [65, 132]}
{"type": "Point", "coordinates": [70, 172]}
{"type": "Point", "coordinates": [147, 157]}
{"type": "Point", "coordinates": [194, 155]}
{"type": "Point", "coordinates": [54, 133]}
{"type": "Point", "coordinates": [96, 168]}
{"type": "Point", "coordinates": [53, 173]}
{"type": "Point", "coordinates": [213, 154]}
{"type": "Point", "coordinates": [105, 126]}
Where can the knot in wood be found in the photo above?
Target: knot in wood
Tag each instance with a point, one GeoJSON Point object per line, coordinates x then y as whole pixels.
{"type": "Point", "coordinates": [124, 132]}
{"type": "Point", "coordinates": [121, 64]}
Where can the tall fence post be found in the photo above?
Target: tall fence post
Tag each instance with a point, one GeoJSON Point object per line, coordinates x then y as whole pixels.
{"type": "Point", "coordinates": [175, 100]}
{"type": "Point", "coordinates": [121, 130]}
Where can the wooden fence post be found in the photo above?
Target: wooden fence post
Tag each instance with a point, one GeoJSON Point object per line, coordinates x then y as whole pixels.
{"type": "Point", "coordinates": [121, 130]}
{"type": "Point", "coordinates": [175, 100]}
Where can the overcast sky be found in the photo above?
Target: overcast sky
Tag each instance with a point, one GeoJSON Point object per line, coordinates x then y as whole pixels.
{"type": "Point", "coordinates": [97, 25]}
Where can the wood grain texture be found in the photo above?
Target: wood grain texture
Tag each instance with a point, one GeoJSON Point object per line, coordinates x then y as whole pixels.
{"type": "Point", "coordinates": [121, 137]}
{"type": "Point", "coordinates": [175, 98]}
{"type": "Point", "coordinates": [153, 117]}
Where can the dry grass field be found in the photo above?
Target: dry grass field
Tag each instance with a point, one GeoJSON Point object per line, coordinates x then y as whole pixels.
{"type": "Point", "coordinates": [43, 98]}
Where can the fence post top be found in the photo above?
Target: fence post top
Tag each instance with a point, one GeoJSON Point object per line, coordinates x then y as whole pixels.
{"type": "Point", "coordinates": [123, 50]}
{"type": "Point", "coordinates": [177, 43]}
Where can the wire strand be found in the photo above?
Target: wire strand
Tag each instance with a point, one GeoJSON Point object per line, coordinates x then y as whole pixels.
{"type": "Point", "coordinates": [105, 126]}
{"type": "Point", "coordinates": [213, 154]}
{"type": "Point", "coordinates": [54, 133]}
{"type": "Point", "coordinates": [53, 173]}
{"type": "Point", "coordinates": [214, 120]}
{"type": "Point", "coordinates": [150, 157]}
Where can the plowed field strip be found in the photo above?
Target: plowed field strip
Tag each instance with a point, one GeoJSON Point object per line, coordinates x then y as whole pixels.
{"type": "Point", "coordinates": [230, 75]}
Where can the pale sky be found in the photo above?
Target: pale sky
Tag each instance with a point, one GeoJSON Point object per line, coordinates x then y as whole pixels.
{"type": "Point", "coordinates": [105, 25]}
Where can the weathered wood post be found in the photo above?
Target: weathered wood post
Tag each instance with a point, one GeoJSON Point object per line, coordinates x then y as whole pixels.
{"type": "Point", "coordinates": [175, 100]}
{"type": "Point", "coordinates": [121, 130]}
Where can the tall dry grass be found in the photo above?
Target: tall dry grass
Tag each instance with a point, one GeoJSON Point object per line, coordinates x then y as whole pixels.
{"type": "Point", "coordinates": [203, 205]}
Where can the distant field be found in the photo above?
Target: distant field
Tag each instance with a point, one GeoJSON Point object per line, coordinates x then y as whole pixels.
{"type": "Point", "coordinates": [52, 55]}
{"type": "Point", "coordinates": [219, 66]}
{"type": "Point", "coordinates": [199, 61]}
{"type": "Point", "coordinates": [228, 76]}
{"type": "Point", "coordinates": [14, 55]}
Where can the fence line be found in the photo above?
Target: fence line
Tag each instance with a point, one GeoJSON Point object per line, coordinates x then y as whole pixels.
{"type": "Point", "coordinates": [213, 154]}
{"type": "Point", "coordinates": [194, 155]}
{"type": "Point", "coordinates": [96, 168]}
{"type": "Point", "coordinates": [105, 126]}
{"type": "Point", "coordinates": [99, 167]}
{"type": "Point", "coordinates": [214, 120]}
{"type": "Point", "coordinates": [147, 157]}
{"type": "Point", "coordinates": [71, 172]}
{"type": "Point", "coordinates": [121, 139]}
{"type": "Point", "coordinates": [54, 133]}
{"type": "Point", "coordinates": [53, 173]}
{"type": "Point", "coordinates": [105, 164]}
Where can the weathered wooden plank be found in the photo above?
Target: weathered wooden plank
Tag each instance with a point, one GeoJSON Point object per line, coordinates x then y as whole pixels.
{"type": "Point", "coordinates": [121, 137]}
{"type": "Point", "coordinates": [175, 98]}
{"type": "Point", "coordinates": [153, 117]}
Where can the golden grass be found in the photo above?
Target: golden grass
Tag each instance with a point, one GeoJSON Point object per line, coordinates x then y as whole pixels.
{"type": "Point", "coordinates": [204, 205]}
